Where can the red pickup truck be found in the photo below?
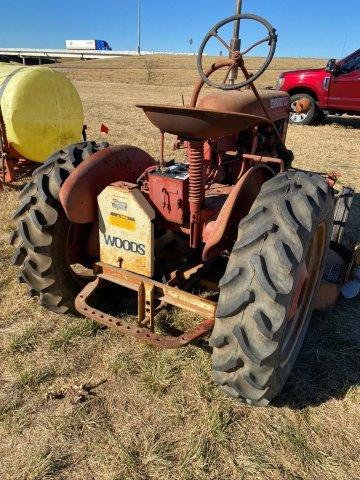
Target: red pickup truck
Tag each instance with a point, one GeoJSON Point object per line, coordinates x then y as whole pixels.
{"type": "Point", "coordinates": [334, 89]}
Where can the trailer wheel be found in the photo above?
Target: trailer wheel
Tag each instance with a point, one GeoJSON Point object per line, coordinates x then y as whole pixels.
{"type": "Point", "coordinates": [268, 290]}
{"type": "Point", "coordinates": [43, 230]}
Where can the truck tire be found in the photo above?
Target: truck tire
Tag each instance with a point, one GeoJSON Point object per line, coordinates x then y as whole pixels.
{"type": "Point", "coordinates": [41, 235]}
{"type": "Point", "coordinates": [268, 290]}
{"type": "Point", "coordinates": [308, 118]}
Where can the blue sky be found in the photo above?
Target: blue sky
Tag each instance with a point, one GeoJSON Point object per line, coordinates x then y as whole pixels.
{"type": "Point", "coordinates": [306, 28]}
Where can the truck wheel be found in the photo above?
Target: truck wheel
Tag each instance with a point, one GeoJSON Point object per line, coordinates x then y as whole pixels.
{"type": "Point", "coordinates": [268, 290]}
{"type": "Point", "coordinates": [43, 231]}
{"type": "Point", "coordinates": [307, 118]}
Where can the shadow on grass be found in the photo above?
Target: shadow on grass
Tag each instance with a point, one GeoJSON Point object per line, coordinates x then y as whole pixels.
{"type": "Point", "coordinates": [347, 122]}
{"type": "Point", "coordinates": [329, 362]}
{"type": "Point", "coordinates": [122, 303]}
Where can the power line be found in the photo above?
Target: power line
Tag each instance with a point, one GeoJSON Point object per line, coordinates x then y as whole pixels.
{"type": "Point", "coordinates": [139, 27]}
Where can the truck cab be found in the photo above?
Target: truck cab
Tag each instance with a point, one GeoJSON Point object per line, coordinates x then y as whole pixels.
{"type": "Point", "coordinates": [334, 89]}
{"type": "Point", "coordinates": [102, 45]}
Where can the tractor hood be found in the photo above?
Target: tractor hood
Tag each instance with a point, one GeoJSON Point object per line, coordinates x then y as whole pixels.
{"type": "Point", "coordinates": [244, 101]}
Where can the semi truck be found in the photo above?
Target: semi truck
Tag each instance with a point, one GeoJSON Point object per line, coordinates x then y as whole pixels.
{"type": "Point", "coordinates": [87, 45]}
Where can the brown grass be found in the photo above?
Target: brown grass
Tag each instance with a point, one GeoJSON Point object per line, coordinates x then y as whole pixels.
{"type": "Point", "coordinates": [179, 71]}
{"type": "Point", "coordinates": [159, 416]}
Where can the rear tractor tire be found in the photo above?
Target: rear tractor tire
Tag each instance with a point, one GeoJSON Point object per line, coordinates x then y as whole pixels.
{"type": "Point", "coordinates": [268, 291]}
{"type": "Point", "coordinates": [41, 235]}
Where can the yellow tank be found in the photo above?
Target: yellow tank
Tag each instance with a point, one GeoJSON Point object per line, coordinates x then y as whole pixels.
{"type": "Point", "coordinates": [41, 108]}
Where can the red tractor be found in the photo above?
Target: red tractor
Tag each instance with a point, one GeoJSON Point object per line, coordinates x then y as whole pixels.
{"type": "Point", "coordinates": [234, 220]}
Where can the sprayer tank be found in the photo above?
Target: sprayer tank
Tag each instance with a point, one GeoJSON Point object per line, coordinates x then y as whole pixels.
{"type": "Point", "coordinates": [41, 110]}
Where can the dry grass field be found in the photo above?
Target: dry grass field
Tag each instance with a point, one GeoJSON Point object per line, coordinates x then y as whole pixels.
{"type": "Point", "coordinates": [176, 71]}
{"type": "Point", "coordinates": [156, 414]}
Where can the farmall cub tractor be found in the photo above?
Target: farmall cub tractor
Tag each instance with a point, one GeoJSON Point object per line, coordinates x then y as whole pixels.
{"type": "Point", "coordinates": [234, 220]}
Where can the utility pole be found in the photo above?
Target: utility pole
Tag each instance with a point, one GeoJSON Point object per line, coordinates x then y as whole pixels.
{"type": "Point", "coordinates": [191, 41]}
{"type": "Point", "coordinates": [139, 27]}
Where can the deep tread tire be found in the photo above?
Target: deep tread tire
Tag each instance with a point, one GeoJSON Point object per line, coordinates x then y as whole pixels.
{"type": "Point", "coordinates": [41, 233]}
{"type": "Point", "coordinates": [257, 289]}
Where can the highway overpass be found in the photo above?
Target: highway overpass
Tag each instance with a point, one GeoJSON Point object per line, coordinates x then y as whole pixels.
{"type": "Point", "coordinates": [41, 55]}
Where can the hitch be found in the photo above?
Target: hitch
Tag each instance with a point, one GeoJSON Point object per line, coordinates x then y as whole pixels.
{"type": "Point", "coordinates": [151, 296]}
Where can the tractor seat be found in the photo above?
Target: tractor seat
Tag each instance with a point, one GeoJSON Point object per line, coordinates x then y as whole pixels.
{"type": "Point", "coordinates": [199, 123]}
{"type": "Point", "coordinates": [277, 103]}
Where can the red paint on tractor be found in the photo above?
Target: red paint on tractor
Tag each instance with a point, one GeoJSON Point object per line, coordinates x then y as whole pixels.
{"type": "Point", "coordinates": [169, 196]}
{"type": "Point", "coordinates": [196, 188]}
{"type": "Point", "coordinates": [200, 82]}
{"type": "Point", "coordinates": [78, 195]}
{"type": "Point", "coordinates": [199, 123]}
{"type": "Point", "coordinates": [221, 233]}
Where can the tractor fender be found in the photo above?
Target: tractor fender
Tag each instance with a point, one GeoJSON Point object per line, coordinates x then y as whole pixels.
{"type": "Point", "coordinates": [220, 233]}
{"type": "Point", "coordinates": [78, 195]}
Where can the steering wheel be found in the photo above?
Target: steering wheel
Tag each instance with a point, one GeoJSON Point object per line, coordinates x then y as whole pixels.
{"type": "Point", "coordinates": [235, 55]}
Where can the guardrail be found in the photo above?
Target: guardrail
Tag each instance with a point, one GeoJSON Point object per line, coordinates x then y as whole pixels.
{"type": "Point", "coordinates": [82, 54]}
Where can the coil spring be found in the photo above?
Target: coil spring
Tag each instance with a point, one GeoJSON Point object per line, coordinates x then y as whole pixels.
{"type": "Point", "coordinates": [196, 171]}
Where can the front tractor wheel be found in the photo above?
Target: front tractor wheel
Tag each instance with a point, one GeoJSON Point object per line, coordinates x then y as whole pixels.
{"type": "Point", "coordinates": [43, 234]}
{"type": "Point", "coordinates": [268, 291]}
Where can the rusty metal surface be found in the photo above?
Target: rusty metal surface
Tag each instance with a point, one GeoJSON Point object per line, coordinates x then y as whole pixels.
{"type": "Point", "coordinates": [146, 306]}
{"type": "Point", "coordinates": [237, 61]}
{"type": "Point", "coordinates": [4, 144]}
{"type": "Point", "coordinates": [195, 153]}
{"type": "Point", "coordinates": [13, 169]}
{"type": "Point", "coordinates": [187, 275]}
{"type": "Point", "coordinates": [208, 72]}
{"type": "Point", "coordinates": [198, 123]}
{"type": "Point", "coordinates": [222, 232]}
{"type": "Point", "coordinates": [235, 43]}
{"type": "Point", "coordinates": [78, 195]}
{"type": "Point", "coordinates": [262, 104]}
{"type": "Point", "coordinates": [263, 159]}
{"type": "Point", "coordinates": [146, 334]}
{"type": "Point", "coordinates": [162, 292]}
{"type": "Point", "coordinates": [169, 196]}
{"type": "Point", "coordinates": [276, 102]}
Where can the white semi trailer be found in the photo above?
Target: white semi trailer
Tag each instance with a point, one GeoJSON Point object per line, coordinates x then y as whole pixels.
{"type": "Point", "coordinates": [87, 45]}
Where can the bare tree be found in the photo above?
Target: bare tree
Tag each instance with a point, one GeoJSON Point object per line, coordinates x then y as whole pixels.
{"type": "Point", "coordinates": [191, 41]}
{"type": "Point", "coordinates": [149, 65]}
